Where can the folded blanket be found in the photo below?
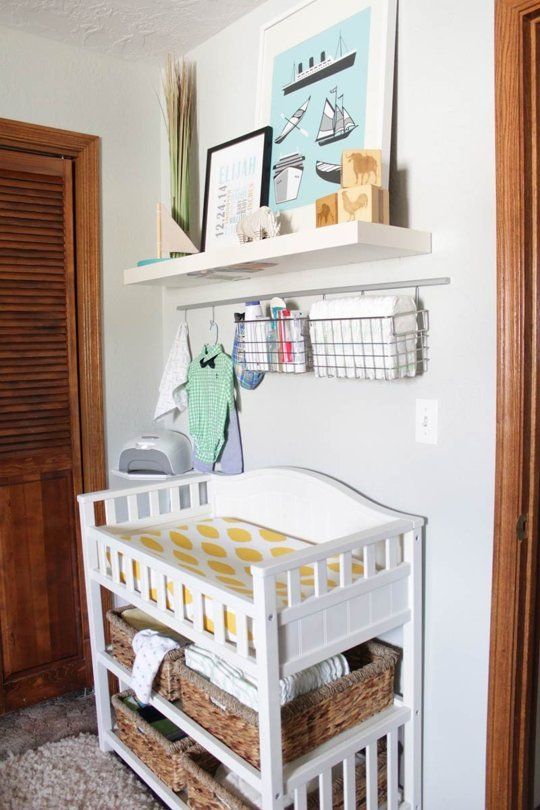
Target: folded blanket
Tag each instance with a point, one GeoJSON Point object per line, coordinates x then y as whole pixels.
{"type": "Point", "coordinates": [149, 647]}
{"type": "Point", "coordinates": [365, 337]}
{"type": "Point", "coordinates": [235, 682]}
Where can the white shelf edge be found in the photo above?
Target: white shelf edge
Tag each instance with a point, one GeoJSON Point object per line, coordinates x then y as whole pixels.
{"type": "Point", "coordinates": [221, 751]}
{"type": "Point", "coordinates": [330, 753]}
{"type": "Point", "coordinates": [347, 243]}
{"type": "Point", "coordinates": [170, 798]}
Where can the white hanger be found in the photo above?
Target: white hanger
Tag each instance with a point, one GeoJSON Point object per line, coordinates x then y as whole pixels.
{"type": "Point", "coordinates": [213, 324]}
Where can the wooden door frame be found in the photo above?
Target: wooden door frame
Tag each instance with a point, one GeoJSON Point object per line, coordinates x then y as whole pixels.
{"type": "Point", "coordinates": [84, 151]}
{"type": "Point", "coordinates": [514, 642]}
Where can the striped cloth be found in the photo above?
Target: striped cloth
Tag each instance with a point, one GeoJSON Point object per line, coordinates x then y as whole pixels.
{"type": "Point", "coordinates": [210, 389]}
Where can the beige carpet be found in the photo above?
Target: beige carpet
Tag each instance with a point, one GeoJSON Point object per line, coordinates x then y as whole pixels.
{"type": "Point", "coordinates": [72, 774]}
{"type": "Point", "coordinates": [47, 722]}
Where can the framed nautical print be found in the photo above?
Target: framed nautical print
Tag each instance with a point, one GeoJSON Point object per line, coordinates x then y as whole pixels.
{"type": "Point", "coordinates": [325, 85]}
{"type": "Point", "coordinates": [237, 183]}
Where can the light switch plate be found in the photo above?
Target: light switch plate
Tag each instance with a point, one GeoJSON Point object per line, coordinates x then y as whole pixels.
{"type": "Point", "coordinates": [427, 419]}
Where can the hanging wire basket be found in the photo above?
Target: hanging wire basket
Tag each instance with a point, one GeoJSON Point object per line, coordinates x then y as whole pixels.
{"type": "Point", "coordinates": [376, 348]}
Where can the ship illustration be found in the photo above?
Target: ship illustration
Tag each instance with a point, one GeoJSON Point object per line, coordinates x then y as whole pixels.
{"type": "Point", "coordinates": [328, 65]}
{"type": "Point", "coordinates": [288, 173]}
{"type": "Point", "coordinates": [293, 122]}
{"type": "Point", "coordinates": [329, 171]}
{"type": "Point", "coordinates": [336, 122]}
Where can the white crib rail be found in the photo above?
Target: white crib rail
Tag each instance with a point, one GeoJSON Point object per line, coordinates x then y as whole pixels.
{"type": "Point", "coordinates": [360, 607]}
{"type": "Point", "coordinates": [337, 758]}
{"type": "Point", "coordinates": [156, 590]}
{"type": "Point", "coordinates": [160, 591]}
{"type": "Point", "coordinates": [189, 495]}
{"type": "Point", "coordinates": [345, 546]}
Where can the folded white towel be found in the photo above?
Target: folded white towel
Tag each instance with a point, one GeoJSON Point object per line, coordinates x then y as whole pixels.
{"type": "Point", "coordinates": [366, 337]}
{"type": "Point", "coordinates": [172, 393]}
{"type": "Point", "coordinates": [237, 683]}
{"type": "Point", "coordinates": [149, 647]}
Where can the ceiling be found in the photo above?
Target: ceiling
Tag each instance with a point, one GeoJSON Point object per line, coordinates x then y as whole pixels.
{"type": "Point", "coordinates": [130, 29]}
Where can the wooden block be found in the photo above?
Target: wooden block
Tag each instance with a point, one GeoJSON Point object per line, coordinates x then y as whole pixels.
{"type": "Point", "coordinates": [326, 210]}
{"type": "Point", "coordinates": [359, 203]}
{"type": "Point", "coordinates": [360, 167]}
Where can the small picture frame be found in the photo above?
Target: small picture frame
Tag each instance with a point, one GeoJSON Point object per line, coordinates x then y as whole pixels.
{"type": "Point", "coordinates": [237, 183]}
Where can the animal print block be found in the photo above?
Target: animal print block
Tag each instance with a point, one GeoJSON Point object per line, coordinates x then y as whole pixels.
{"type": "Point", "coordinates": [326, 210]}
{"type": "Point", "coordinates": [360, 203]}
{"type": "Point", "coordinates": [360, 167]}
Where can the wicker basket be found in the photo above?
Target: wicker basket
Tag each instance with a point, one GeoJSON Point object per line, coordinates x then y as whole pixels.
{"type": "Point", "coordinates": [204, 793]}
{"type": "Point", "coordinates": [163, 757]}
{"type": "Point", "coordinates": [307, 721]}
{"type": "Point", "coordinates": [167, 680]}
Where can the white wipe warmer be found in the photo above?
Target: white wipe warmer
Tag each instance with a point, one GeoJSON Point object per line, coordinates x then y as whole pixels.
{"type": "Point", "coordinates": [160, 452]}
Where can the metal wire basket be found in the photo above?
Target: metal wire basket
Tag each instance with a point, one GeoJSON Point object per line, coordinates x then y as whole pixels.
{"type": "Point", "coordinates": [376, 348]}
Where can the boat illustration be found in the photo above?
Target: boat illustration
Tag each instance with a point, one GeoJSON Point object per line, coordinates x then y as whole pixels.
{"type": "Point", "coordinates": [327, 66]}
{"type": "Point", "coordinates": [293, 122]}
{"type": "Point", "coordinates": [336, 122]}
{"type": "Point", "coordinates": [329, 171]}
{"type": "Point", "coordinates": [288, 173]}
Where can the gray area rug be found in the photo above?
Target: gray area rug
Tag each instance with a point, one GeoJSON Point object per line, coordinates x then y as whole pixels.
{"type": "Point", "coordinates": [47, 722]}
{"type": "Point", "coordinates": [72, 774]}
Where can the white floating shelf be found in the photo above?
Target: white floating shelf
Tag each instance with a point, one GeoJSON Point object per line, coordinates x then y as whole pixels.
{"type": "Point", "coordinates": [333, 246]}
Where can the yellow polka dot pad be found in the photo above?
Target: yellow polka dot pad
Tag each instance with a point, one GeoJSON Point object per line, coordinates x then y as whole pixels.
{"type": "Point", "coordinates": [221, 550]}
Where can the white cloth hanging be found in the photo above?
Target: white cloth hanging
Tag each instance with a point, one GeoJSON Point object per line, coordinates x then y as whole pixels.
{"type": "Point", "coordinates": [149, 647]}
{"type": "Point", "coordinates": [172, 394]}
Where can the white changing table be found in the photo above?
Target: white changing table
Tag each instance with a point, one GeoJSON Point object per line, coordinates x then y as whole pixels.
{"type": "Point", "coordinates": [339, 522]}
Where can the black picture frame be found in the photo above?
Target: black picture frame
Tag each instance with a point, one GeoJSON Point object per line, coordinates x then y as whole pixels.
{"type": "Point", "coordinates": [267, 132]}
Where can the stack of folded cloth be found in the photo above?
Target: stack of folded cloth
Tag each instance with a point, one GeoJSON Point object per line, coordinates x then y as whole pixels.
{"type": "Point", "coordinates": [367, 337]}
{"type": "Point", "coordinates": [241, 686]}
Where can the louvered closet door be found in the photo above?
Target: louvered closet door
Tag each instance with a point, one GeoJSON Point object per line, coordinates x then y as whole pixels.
{"type": "Point", "coordinates": [41, 612]}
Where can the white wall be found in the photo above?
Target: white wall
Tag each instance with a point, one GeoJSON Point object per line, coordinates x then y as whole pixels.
{"type": "Point", "coordinates": [44, 82]}
{"type": "Point", "coordinates": [363, 432]}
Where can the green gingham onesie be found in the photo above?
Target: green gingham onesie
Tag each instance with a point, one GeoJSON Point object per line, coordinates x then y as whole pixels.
{"type": "Point", "coordinates": [211, 394]}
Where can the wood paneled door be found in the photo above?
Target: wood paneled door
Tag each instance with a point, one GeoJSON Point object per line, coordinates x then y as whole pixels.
{"type": "Point", "coordinates": [43, 636]}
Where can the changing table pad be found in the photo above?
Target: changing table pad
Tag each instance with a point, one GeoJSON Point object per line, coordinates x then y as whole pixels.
{"type": "Point", "coordinates": [221, 550]}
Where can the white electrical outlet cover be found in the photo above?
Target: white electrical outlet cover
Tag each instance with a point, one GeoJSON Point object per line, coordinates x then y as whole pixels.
{"type": "Point", "coordinates": [427, 419]}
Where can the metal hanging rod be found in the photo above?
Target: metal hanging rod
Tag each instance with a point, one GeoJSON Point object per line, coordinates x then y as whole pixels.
{"type": "Point", "coordinates": [387, 285]}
